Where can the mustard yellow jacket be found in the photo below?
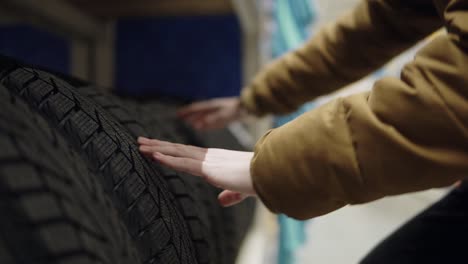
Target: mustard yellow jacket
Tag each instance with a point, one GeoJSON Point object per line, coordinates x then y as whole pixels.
{"type": "Point", "coordinates": [407, 134]}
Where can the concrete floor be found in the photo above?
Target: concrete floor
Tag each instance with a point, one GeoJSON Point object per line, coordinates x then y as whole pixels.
{"type": "Point", "coordinates": [348, 234]}
{"type": "Point", "coordinates": [341, 237]}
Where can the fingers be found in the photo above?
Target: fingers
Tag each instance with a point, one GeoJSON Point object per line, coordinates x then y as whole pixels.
{"type": "Point", "coordinates": [206, 119]}
{"type": "Point", "coordinates": [175, 150]}
{"type": "Point", "coordinates": [212, 114]}
{"type": "Point", "coordinates": [203, 121]}
{"type": "Point", "coordinates": [151, 142]}
{"type": "Point", "coordinates": [197, 107]}
{"type": "Point", "coordinates": [196, 120]}
{"type": "Point", "coordinates": [228, 198]}
{"type": "Point", "coordinates": [149, 146]}
{"type": "Point", "coordinates": [180, 157]}
{"type": "Point", "coordinates": [213, 121]}
{"type": "Point", "coordinates": [156, 142]}
{"type": "Point", "coordinates": [186, 165]}
{"type": "Point", "coordinates": [222, 168]}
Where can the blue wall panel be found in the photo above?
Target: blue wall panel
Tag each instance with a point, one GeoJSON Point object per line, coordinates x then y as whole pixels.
{"type": "Point", "coordinates": [35, 46]}
{"type": "Point", "coordinates": [190, 57]}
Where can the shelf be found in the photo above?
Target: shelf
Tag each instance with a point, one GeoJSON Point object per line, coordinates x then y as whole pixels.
{"type": "Point", "coordinates": [53, 15]}
{"type": "Point", "coordinates": [125, 8]}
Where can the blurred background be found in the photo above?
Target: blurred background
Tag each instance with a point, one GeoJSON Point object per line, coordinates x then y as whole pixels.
{"type": "Point", "coordinates": [203, 49]}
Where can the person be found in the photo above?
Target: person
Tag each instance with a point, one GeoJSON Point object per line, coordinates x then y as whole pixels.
{"type": "Point", "coordinates": [407, 134]}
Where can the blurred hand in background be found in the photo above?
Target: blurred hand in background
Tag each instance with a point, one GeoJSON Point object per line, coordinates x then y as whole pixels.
{"type": "Point", "coordinates": [213, 114]}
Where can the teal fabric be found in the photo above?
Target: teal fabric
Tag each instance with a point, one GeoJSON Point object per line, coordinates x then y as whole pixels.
{"type": "Point", "coordinates": [292, 236]}
{"type": "Point", "coordinates": [293, 18]}
{"type": "Point", "coordinates": [292, 24]}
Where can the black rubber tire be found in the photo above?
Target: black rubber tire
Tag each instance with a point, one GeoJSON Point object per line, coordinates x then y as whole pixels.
{"type": "Point", "coordinates": [217, 232]}
{"type": "Point", "coordinates": [53, 209]}
{"type": "Point", "coordinates": [203, 193]}
{"type": "Point", "coordinates": [228, 226]}
{"type": "Point", "coordinates": [126, 112]}
{"type": "Point", "coordinates": [236, 221]}
{"type": "Point", "coordinates": [137, 190]}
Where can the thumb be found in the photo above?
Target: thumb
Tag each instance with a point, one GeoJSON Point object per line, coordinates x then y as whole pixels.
{"type": "Point", "coordinates": [228, 198]}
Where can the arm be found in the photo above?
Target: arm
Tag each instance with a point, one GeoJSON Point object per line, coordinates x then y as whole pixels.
{"type": "Point", "coordinates": [406, 135]}
{"type": "Point", "coordinates": [354, 46]}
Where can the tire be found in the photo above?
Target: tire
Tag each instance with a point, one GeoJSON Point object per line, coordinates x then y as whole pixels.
{"type": "Point", "coordinates": [228, 226]}
{"type": "Point", "coordinates": [217, 232]}
{"type": "Point", "coordinates": [138, 192]}
{"type": "Point", "coordinates": [236, 221]}
{"type": "Point", "coordinates": [194, 212]}
{"type": "Point", "coordinates": [53, 209]}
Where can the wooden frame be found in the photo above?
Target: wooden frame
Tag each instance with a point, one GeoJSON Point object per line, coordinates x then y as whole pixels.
{"type": "Point", "coordinates": [123, 8]}
{"type": "Point", "coordinates": [91, 39]}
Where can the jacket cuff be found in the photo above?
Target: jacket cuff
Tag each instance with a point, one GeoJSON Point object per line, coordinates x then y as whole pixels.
{"type": "Point", "coordinates": [258, 185]}
{"type": "Point", "coordinates": [306, 168]}
{"type": "Point", "coordinates": [248, 102]}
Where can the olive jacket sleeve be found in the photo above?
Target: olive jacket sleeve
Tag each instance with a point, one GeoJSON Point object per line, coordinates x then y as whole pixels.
{"type": "Point", "coordinates": [407, 134]}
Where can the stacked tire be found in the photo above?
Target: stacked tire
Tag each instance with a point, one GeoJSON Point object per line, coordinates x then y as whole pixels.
{"type": "Point", "coordinates": [76, 190]}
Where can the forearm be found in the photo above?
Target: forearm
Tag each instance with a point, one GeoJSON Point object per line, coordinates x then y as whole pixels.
{"type": "Point", "coordinates": [406, 135]}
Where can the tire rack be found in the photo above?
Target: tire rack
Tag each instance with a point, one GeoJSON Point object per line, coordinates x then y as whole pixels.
{"type": "Point", "coordinates": [89, 25]}
{"type": "Point", "coordinates": [91, 38]}
{"type": "Point", "coordinates": [90, 28]}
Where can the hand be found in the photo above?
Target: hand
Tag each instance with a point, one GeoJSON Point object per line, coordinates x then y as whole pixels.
{"type": "Point", "coordinates": [212, 114]}
{"type": "Point", "coordinates": [226, 169]}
